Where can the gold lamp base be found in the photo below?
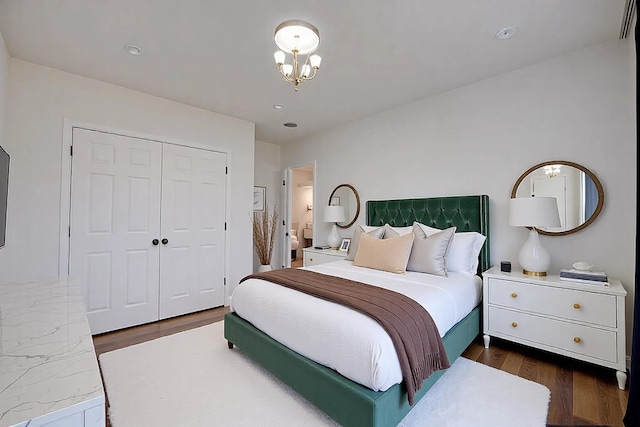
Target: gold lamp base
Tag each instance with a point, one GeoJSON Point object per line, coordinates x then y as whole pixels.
{"type": "Point", "coordinates": [534, 273]}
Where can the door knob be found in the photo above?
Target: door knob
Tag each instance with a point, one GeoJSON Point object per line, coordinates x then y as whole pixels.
{"type": "Point", "coordinates": [155, 242]}
{"type": "Point", "coordinates": [165, 241]}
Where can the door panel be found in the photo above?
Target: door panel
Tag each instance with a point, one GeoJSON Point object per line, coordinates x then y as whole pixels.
{"type": "Point", "coordinates": [192, 262]}
{"type": "Point", "coordinates": [115, 215]}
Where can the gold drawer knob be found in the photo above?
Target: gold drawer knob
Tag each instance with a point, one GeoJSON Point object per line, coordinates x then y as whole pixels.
{"type": "Point", "coordinates": [514, 295]}
{"type": "Point", "coordinates": [576, 306]}
{"type": "Point", "coordinates": [310, 259]}
{"type": "Point", "coordinates": [514, 324]}
{"type": "Point", "coordinates": [576, 339]}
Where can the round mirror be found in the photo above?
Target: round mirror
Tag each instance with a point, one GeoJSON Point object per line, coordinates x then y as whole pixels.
{"type": "Point", "coordinates": [346, 196]}
{"type": "Point", "coordinates": [579, 193]}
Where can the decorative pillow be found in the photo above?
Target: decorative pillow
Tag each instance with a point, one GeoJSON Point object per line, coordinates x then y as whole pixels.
{"type": "Point", "coordinates": [464, 251]}
{"type": "Point", "coordinates": [390, 231]}
{"type": "Point", "coordinates": [427, 230]}
{"type": "Point", "coordinates": [389, 255]}
{"type": "Point", "coordinates": [429, 252]}
{"type": "Point", "coordinates": [376, 232]}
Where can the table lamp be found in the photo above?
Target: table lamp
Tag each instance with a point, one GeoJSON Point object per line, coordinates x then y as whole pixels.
{"type": "Point", "coordinates": [534, 212]}
{"type": "Point", "coordinates": [333, 214]}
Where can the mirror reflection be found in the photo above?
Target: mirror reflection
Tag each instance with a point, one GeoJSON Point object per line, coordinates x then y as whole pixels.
{"type": "Point", "coordinates": [579, 193]}
{"type": "Point", "coordinates": [346, 196]}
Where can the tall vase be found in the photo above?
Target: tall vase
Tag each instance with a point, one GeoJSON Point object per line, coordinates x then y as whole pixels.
{"type": "Point", "coordinates": [264, 267]}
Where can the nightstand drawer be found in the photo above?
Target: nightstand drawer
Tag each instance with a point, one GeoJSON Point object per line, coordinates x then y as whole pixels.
{"type": "Point", "coordinates": [583, 306]}
{"type": "Point", "coordinates": [579, 339]}
{"type": "Point", "coordinates": [315, 257]}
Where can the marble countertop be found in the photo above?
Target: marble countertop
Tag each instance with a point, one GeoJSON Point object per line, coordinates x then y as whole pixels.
{"type": "Point", "coordinates": [47, 359]}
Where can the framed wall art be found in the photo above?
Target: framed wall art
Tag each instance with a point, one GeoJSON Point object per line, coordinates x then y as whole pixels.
{"type": "Point", "coordinates": [259, 194]}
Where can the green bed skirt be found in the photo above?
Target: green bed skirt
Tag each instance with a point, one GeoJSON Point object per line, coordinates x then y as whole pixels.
{"type": "Point", "coordinates": [347, 402]}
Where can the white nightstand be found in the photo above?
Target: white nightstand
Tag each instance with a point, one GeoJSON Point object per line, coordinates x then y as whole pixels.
{"type": "Point", "coordinates": [583, 321]}
{"type": "Point", "coordinates": [314, 256]}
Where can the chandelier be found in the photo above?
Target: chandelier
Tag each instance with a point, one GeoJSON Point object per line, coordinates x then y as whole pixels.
{"type": "Point", "coordinates": [552, 170]}
{"type": "Point", "coordinates": [297, 38]}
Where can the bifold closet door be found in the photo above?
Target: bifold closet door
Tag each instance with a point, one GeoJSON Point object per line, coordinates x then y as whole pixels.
{"type": "Point", "coordinates": [115, 217]}
{"type": "Point", "coordinates": [192, 256]}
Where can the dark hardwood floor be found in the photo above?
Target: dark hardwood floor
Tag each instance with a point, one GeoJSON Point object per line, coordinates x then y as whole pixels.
{"type": "Point", "coordinates": [581, 394]}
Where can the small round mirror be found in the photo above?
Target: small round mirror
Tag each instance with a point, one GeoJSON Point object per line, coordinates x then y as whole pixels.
{"type": "Point", "coordinates": [579, 193]}
{"type": "Point", "coordinates": [346, 196]}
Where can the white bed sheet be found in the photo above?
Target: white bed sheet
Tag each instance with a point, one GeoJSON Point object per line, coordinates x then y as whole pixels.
{"type": "Point", "coordinates": [341, 338]}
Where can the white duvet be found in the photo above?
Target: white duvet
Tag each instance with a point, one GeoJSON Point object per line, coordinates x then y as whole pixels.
{"type": "Point", "coordinates": [343, 339]}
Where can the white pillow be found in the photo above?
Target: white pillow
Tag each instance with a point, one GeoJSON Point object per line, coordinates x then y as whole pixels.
{"type": "Point", "coordinates": [464, 251]}
{"type": "Point", "coordinates": [390, 231]}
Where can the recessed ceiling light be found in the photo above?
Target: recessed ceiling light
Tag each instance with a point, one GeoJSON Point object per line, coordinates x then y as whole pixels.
{"type": "Point", "coordinates": [278, 106]}
{"type": "Point", "coordinates": [506, 33]}
{"type": "Point", "coordinates": [290, 125]}
{"type": "Point", "coordinates": [133, 49]}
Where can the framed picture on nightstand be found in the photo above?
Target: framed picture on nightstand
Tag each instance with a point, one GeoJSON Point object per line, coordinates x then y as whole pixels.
{"type": "Point", "coordinates": [344, 246]}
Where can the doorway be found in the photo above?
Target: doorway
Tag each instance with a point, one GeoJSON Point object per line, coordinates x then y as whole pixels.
{"type": "Point", "coordinates": [299, 198]}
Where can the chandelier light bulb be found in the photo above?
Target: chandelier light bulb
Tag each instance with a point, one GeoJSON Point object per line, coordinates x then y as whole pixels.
{"type": "Point", "coordinates": [279, 57]}
{"type": "Point", "coordinates": [306, 70]}
{"type": "Point", "coordinates": [315, 60]}
{"type": "Point", "coordinates": [552, 170]}
{"type": "Point", "coordinates": [287, 69]}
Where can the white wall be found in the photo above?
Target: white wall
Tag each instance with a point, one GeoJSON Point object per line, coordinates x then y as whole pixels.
{"type": "Point", "coordinates": [40, 98]}
{"type": "Point", "coordinates": [480, 138]}
{"type": "Point", "coordinates": [268, 173]}
{"type": "Point", "coordinates": [4, 82]}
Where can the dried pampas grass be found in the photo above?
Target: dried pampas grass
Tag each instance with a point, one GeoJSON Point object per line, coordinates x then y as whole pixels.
{"type": "Point", "coordinates": [265, 225]}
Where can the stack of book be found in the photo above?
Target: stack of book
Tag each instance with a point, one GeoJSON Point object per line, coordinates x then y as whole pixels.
{"type": "Point", "coordinates": [582, 276]}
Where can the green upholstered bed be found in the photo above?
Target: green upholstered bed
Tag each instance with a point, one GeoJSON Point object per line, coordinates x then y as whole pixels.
{"type": "Point", "coordinates": [347, 402]}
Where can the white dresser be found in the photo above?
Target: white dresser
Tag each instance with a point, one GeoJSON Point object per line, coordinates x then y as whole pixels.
{"type": "Point", "coordinates": [583, 321]}
{"type": "Point", "coordinates": [314, 256]}
{"type": "Point", "coordinates": [49, 373]}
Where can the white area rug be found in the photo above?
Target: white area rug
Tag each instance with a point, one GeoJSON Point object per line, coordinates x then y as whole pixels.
{"type": "Point", "coordinates": [193, 379]}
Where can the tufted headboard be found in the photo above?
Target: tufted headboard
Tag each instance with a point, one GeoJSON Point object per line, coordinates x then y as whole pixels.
{"type": "Point", "coordinates": [467, 213]}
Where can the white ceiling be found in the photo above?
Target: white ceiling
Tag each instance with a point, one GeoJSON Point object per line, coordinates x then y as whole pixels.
{"type": "Point", "coordinates": [376, 54]}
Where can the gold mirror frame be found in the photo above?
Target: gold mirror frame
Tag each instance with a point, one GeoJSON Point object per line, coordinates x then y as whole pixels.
{"type": "Point", "coordinates": [349, 222]}
{"type": "Point", "coordinates": [595, 180]}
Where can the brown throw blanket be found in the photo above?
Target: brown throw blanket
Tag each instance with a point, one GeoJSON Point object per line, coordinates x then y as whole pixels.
{"type": "Point", "coordinates": [411, 328]}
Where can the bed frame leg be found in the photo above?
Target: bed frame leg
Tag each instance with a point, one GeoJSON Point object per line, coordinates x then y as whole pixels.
{"type": "Point", "coordinates": [230, 345]}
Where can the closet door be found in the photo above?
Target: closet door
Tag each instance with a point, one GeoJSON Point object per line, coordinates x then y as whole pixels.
{"type": "Point", "coordinates": [192, 257]}
{"type": "Point", "coordinates": [115, 216]}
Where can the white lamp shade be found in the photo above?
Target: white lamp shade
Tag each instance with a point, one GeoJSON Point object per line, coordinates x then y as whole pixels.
{"type": "Point", "coordinates": [534, 212]}
{"type": "Point", "coordinates": [333, 214]}
{"type": "Point", "coordinates": [287, 69]}
{"type": "Point", "coordinates": [315, 60]}
{"type": "Point", "coordinates": [279, 57]}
